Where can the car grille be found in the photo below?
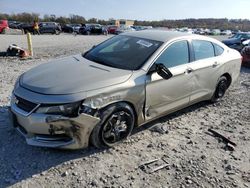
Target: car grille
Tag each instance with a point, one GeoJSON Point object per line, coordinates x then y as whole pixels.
{"type": "Point", "coordinates": [25, 105]}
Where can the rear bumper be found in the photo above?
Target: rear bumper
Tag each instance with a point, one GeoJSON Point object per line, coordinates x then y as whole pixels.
{"type": "Point", "coordinates": [53, 131]}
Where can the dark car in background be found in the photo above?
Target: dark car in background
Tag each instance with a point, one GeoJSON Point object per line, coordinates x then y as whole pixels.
{"type": "Point", "coordinates": [70, 28]}
{"type": "Point", "coordinates": [14, 24]}
{"type": "Point", "coordinates": [245, 52]}
{"type": "Point", "coordinates": [236, 40]}
{"type": "Point", "coordinates": [88, 29]}
{"type": "Point", "coordinates": [26, 27]}
{"type": "Point", "coordinates": [50, 27]}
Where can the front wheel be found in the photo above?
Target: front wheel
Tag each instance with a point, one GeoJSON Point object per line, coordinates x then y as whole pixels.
{"type": "Point", "coordinates": [116, 125]}
{"type": "Point", "coordinates": [220, 89]}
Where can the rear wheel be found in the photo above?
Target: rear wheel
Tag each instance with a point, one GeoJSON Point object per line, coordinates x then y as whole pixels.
{"type": "Point", "coordinates": [220, 89]}
{"type": "Point", "coordinates": [116, 125]}
{"type": "Point", "coordinates": [57, 32]}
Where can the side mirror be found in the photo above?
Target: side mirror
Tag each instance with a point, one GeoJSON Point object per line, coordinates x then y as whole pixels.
{"type": "Point", "coordinates": [161, 70]}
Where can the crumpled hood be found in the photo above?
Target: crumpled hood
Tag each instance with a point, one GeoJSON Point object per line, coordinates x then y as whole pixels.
{"type": "Point", "coordinates": [70, 75]}
{"type": "Point", "coordinates": [231, 41]}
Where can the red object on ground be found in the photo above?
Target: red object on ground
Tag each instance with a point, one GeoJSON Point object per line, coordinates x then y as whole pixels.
{"type": "Point", "coordinates": [3, 25]}
{"type": "Point", "coordinates": [246, 56]}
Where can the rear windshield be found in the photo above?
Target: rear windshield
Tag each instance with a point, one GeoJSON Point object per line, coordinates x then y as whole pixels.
{"type": "Point", "coordinates": [124, 52]}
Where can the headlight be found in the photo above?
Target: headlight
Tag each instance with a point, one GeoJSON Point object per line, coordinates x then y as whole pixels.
{"type": "Point", "coordinates": [65, 109]}
{"type": "Point", "coordinates": [87, 110]}
{"type": "Point", "coordinates": [89, 106]}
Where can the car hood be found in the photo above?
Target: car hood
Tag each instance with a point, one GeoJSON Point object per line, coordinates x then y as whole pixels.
{"type": "Point", "coordinates": [231, 41]}
{"type": "Point", "coordinates": [70, 75]}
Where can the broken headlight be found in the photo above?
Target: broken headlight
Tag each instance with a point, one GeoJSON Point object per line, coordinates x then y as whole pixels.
{"type": "Point", "coordinates": [88, 107]}
{"type": "Point", "coordinates": [87, 110]}
{"type": "Point", "coordinates": [64, 109]}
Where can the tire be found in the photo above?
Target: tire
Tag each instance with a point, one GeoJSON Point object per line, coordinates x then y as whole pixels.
{"type": "Point", "coordinates": [220, 89]}
{"type": "Point", "coordinates": [3, 31]}
{"type": "Point", "coordinates": [57, 32]}
{"type": "Point", "coordinates": [117, 123]}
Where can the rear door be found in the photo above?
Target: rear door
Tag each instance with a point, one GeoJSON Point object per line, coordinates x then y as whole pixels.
{"type": "Point", "coordinates": [164, 96]}
{"type": "Point", "coordinates": [205, 69]}
{"type": "Point", "coordinates": [50, 27]}
{"type": "Point", "coordinates": [43, 28]}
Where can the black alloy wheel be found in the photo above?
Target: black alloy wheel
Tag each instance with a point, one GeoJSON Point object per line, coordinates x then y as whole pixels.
{"type": "Point", "coordinates": [220, 89]}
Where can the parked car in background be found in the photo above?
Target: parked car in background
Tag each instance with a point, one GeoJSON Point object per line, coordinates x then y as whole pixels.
{"type": "Point", "coordinates": [112, 29]}
{"type": "Point", "coordinates": [124, 29]}
{"type": "Point", "coordinates": [246, 42]}
{"type": "Point", "coordinates": [215, 32]}
{"type": "Point", "coordinates": [226, 32]}
{"type": "Point", "coordinates": [236, 40]}
{"type": "Point", "coordinates": [50, 27]}
{"type": "Point", "coordinates": [208, 32]}
{"type": "Point", "coordinates": [140, 27]}
{"type": "Point", "coordinates": [3, 25]}
{"type": "Point", "coordinates": [70, 28]}
{"type": "Point", "coordinates": [88, 29]}
{"type": "Point", "coordinates": [100, 96]}
{"type": "Point", "coordinates": [245, 52]}
{"type": "Point", "coordinates": [26, 27]}
{"type": "Point", "coordinates": [200, 31]}
{"type": "Point", "coordinates": [236, 31]}
{"type": "Point", "coordinates": [14, 24]}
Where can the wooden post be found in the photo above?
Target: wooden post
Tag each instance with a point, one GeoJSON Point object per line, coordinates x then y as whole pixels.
{"type": "Point", "coordinates": [30, 48]}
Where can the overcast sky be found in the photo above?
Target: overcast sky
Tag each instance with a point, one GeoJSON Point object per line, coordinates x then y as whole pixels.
{"type": "Point", "coordinates": [133, 9]}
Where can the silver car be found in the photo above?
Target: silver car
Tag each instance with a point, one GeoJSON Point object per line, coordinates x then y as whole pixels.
{"type": "Point", "coordinates": [99, 97]}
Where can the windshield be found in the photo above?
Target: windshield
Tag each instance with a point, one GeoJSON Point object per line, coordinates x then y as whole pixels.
{"type": "Point", "coordinates": [236, 36]}
{"type": "Point", "coordinates": [124, 52]}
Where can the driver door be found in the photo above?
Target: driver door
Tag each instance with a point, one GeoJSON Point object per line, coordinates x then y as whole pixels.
{"type": "Point", "coordinates": [165, 96]}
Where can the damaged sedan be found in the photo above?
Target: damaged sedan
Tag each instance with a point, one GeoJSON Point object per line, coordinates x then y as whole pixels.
{"type": "Point", "coordinates": [128, 80]}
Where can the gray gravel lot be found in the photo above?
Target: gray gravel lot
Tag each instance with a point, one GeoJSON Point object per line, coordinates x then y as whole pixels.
{"type": "Point", "coordinates": [196, 158]}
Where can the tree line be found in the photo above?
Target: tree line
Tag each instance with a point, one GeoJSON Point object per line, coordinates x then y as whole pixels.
{"type": "Point", "coordinates": [210, 23]}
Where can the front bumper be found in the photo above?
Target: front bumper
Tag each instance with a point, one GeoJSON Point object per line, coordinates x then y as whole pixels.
{"type": "Point", "coordinates": [53, 131]}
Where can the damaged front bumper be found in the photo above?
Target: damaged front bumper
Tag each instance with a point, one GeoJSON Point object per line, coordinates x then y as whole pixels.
{"type": "Point", "coordinates": [53, 131]}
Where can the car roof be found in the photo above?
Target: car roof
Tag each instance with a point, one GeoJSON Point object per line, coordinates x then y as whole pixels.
{"type": "Point", "coordinates": [158, 35]}
{"type": "Point", "coordinates": [243, 33]}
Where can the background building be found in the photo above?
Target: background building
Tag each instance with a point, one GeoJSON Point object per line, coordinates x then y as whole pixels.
{"type": "Point", "coordinates": [122, 22]}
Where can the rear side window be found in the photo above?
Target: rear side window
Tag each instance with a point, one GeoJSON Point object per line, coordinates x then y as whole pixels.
{"type": "Point", "coordinates": [218, 49]}
{"type": "Point", "coordinates": [176, 54]}
{"type": "Point", "coordinates": [203, 49]}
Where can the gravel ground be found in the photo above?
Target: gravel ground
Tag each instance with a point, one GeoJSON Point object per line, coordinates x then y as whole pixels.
{"type": "Point", "coordinates": [195, 158]}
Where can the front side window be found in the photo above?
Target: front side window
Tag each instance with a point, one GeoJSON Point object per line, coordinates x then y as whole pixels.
{"type": "Point", "coordinates": [202, 49]}
{"type": "Point", "coordinates": [176, 54]}
{"type": "Point", "coordinates": [124, 52]}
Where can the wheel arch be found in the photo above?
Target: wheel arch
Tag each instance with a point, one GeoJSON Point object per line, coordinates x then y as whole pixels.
{"type": "Point", "coordinates": [125, 102]}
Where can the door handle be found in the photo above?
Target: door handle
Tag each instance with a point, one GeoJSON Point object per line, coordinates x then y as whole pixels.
{"type": "Point", "coordinates": [189, 70]}
{"type": "Point", "coordinates": [215, 64]}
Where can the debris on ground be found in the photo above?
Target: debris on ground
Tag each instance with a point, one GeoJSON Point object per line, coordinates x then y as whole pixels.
{"type": "Point", "coordinates": [224, 139]}
{"type": "Point", "coordinates": [160, 128]}
{"type": "Point", "coordinates": [154, 165]}
{"type": "Point", "coordinates": [14, 50]}
{"type": "Point", "coordinates": [245, 83]}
